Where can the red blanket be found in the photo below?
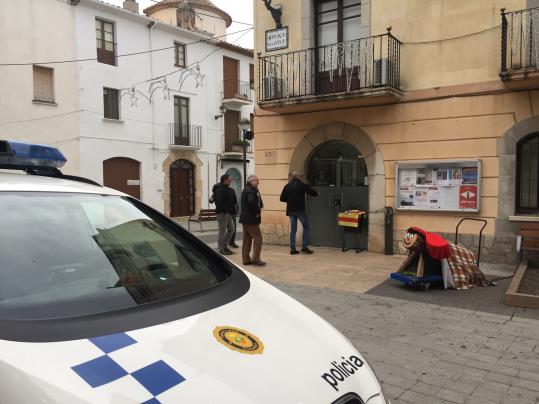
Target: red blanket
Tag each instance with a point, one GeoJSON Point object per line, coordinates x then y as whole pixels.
{"type": "Point", "coordinates": [437, 246]}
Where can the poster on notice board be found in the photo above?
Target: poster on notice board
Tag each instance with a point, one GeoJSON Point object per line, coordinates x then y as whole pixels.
{"type": "Point", "coordinates": [438, 185]}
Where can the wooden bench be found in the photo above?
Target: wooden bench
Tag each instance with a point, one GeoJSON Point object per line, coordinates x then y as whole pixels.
{"type": "Point", "coordinates": [204, 215]}
{"type": "Point", "coordinates": [529, 233]}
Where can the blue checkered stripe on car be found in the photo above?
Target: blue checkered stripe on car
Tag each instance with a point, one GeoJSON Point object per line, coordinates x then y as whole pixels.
{"type": "Point", "coordinates": [157, 377]}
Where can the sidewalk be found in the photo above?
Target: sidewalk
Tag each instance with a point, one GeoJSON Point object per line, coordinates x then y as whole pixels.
{"type": "Point", "coordinates": [329, 268]}
{"type": "Point", "coordinates": [208, 232]}
{"type": "Point", "coordinates": [435, 347]}
{"type": "Point", "coordinates": [366, 272]}
{"type": "Point", "coordinates": [326, 268]}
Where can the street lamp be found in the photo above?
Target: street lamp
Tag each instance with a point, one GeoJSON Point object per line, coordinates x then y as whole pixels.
{"type": "Point", "coordinates": [222, 110]}
{"type": "Point", "coordinates": [244, 125]}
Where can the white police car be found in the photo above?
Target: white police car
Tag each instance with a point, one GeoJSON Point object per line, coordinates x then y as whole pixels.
{"type": "Point", "coordinates": [104, 300]}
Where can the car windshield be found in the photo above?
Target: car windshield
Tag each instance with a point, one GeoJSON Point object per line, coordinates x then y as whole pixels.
{"type": "Point", "coordinates": [66, 255]}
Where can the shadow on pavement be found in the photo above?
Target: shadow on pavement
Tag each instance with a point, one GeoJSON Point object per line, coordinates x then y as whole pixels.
{"type": "Point", "coordinates": [488, 299]}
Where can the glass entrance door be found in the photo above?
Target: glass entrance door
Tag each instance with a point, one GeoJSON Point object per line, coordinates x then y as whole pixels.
{"type": "Point", "coordinates": [338, 172]}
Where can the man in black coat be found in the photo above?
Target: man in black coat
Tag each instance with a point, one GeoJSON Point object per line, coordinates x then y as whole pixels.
{"type": "Point", "coordinates": [234, 214]}
{"type": "Point", "coordinates": [250, 218]}
{"type": "Point", "coordinates": [225, 199]}
{"type": "Point", "coordinates": [294, 195]}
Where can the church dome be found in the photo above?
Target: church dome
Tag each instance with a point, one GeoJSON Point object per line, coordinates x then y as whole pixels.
{"type": "Point", "coordinates": [206, 5]}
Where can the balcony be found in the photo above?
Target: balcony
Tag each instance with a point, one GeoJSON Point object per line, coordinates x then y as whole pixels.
{"type": "Point", "coordinates": [237, 93]}
{"type": "Point", "coordinates": [365, 71]}
{"type": "Point", "coordinates": [187, 137]}
{"type": "Point", "coordinates": [234, 145]}
{"type": "Point", "coordinates": [520, 48]}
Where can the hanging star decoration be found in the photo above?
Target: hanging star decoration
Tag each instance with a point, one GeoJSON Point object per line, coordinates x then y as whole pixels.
{"type": "Point", "coordinates": [191, 72]}
{"type": "Point", "coordinates": [161, 84]}
{"type": "Point", "coordinates": [131, 94]}
{"type": "Point", "coordinates": [199, 77]}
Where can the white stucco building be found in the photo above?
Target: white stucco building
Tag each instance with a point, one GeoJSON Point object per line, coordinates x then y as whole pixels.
{"type": "Point", "coordinates": [149, 107]}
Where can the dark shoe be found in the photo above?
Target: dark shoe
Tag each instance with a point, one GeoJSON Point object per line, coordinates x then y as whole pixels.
{"type": "Point", "coordinates": [248, 263]}
{"type": "Point", "coordinates": [229, 251]}
{"type": "Point", "coordinates": [294, 252]}
{"type": "Point", "coordinates": [258, 263]}
{"type": "Point", "coordinates": [307, 251]}
{"type": "Point", "coordinates": [225, 252]}
{"type": "Point", "coordinates": [234, 245]}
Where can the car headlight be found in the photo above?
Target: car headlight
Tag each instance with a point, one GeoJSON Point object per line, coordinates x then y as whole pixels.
{"type": "Point", "coordinates": [378, 399]}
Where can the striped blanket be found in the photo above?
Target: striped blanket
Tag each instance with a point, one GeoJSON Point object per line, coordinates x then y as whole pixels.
{"type": "Point", "coordinates": [466, 273]}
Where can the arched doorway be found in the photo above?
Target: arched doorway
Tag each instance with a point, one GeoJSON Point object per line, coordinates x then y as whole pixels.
{"type": "Point", "coordinates": [236, 182]}
{"type": "Point", "coordinates": [337, 170]}
{"type": "Point", "coordinates": [123, 174]}
{"type": "Point", "coordinates": [182, 188]}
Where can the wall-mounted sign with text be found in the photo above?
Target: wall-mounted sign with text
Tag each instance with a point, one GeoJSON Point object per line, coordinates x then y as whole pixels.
{"type": "Point", "coordinates": [276, 39]}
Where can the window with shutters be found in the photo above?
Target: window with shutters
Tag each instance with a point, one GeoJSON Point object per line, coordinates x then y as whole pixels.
{"type": "Point", "coordinates": [181, 121]}
{"type": "Point", "coordinates": [43, 84]}
{"type": "Point", "coordinates": [252, 76]}
{"type": "Point", "coordinates": [232, 131]}
{"type": "Point", "coordinates": [105, 42]}
{"type": "Point", "coordinates": [111, 106]}
{"type": "Point", "coordinates": [527, 195]}
{"type": "Point", "coordinates": [179, 54]}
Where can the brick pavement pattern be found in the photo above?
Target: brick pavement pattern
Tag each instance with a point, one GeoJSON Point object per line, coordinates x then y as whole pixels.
{"type": "Point", "coordinates": [425, 353]}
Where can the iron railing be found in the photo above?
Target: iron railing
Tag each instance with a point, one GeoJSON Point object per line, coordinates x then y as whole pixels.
{"type": "Point", "coordinates": [235, 146]}
{"type": "Point", "coordinates": [343, 67]}
{"type": "Point", "coordinates": [237, 89]}
{"type": "Point", "coordinates": [185, 135]}
{"type": "Point", "coordinates": [520, 40]}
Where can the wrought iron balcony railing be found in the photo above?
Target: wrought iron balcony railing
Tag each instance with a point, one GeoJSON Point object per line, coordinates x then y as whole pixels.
{"type": "Point", "coordinates": [236, 146]}
{"type": "Point", "coordinates": [185, 135]}
{"type": "Point", "coordinates": [520, 40]}
{"type": "Point", "coordinates": [345, 67]}
{"type": "Point", "coordinates": [237, 89]}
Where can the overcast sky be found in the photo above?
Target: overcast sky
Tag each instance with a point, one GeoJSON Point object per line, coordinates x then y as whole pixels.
{"type": "Point", "coordinates": [239, 10]}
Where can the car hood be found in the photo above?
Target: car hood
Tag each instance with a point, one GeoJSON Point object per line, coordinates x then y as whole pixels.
{"type": "Point", "coordinates": [261, 348]}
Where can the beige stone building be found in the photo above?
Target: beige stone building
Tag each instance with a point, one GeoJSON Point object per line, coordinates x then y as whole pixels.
{"type": "Point", "coordinates": [425, 106]}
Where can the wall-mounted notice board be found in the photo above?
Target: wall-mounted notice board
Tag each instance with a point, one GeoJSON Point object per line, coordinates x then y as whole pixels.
{"type": "Point", "coordinates": [438, 185]}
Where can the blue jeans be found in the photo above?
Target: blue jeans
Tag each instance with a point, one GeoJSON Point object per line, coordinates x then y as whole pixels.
{"type": "Point", "coordinates": [302, 216]}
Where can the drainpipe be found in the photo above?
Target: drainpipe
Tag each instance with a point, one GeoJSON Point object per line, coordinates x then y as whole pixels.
{"type": "Point", "coordinates": [151, 26]}
{"type": "Point", "coordinates": [209, 184]}
{"type": "Point", "coordinates": [217, 162]}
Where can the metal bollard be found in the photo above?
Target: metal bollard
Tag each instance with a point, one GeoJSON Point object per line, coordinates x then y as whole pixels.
{"type": "Point", "coordinates": [388, 226]}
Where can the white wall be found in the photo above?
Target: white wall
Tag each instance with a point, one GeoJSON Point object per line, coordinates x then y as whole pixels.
{"type": "Point", "coordinates": [29, 33]}
{"type": "Point", "coordinates": [143, 130]}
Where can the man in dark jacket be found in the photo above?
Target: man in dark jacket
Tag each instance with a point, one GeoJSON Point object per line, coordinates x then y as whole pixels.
{"type": "Point", "coordinates": [234, 214]}
{"type": "Point", "coordinates": [294, 195]}
{"type": "Point", "coordinates": [250, 218]}
{"type": "Point", "coordinates": [224, 198]}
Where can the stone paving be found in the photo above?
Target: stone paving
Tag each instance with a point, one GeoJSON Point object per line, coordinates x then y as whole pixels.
{"type": "Point", "coordinates": [478, 352]}
{"type": "Point", "coordinates": [466, 348]}
{"type": "Point", "coordinates": [326, 268]}
{"type": "Point", "coordinates": [426, 353]}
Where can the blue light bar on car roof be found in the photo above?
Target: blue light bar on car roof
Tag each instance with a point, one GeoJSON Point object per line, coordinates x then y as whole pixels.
{"type": "Point", "coordinates": [21, 155]}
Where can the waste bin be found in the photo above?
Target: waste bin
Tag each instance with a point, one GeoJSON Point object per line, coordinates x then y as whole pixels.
{"type": "Point", "coordinates": [388, 226]}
